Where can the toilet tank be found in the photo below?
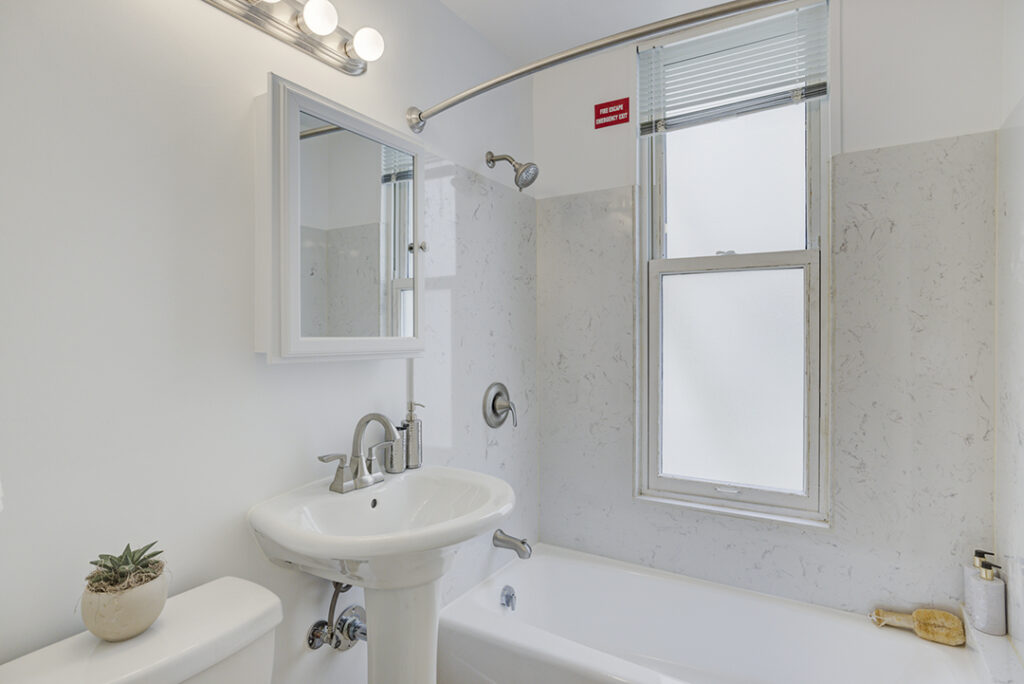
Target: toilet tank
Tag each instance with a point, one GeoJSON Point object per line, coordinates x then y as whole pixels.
{"type": "Point", "coordinates": [221, 631]}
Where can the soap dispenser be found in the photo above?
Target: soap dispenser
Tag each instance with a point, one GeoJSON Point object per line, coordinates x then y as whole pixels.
{"type": "Point", "coordinates": [972, 569]}
{"type": "Point", "coordinates": [412, 429]}
{"type": "Point", "coordinates": [985, 598]}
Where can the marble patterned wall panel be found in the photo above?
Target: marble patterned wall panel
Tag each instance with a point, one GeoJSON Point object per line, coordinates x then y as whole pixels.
{"type": "Point", "coordinates": [313, 282]}
{"type": "Point", "coordinates": [353, 281]}
{"type": "Point", "coordinates": [1010, 371]}
{"type": "Point", "coordinates": [480, 326]}
{"type": "Point", "coordinates": [912, 429]}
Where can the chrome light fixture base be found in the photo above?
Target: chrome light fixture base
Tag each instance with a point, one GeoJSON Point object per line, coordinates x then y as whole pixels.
{"type": "Point", "coordinates": [279, 20]}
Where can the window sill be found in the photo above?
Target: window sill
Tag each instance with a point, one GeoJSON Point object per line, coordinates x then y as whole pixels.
{"type": "Point", "coordinates": [820, 521]}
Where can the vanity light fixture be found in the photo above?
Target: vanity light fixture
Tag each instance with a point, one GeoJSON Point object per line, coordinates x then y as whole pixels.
{"type": "Point", "coordinates": [312, 27]}
{"type": "Point", "coordinates": [318, 18]}
{"type": "Point", "coordinates": [367, 44]}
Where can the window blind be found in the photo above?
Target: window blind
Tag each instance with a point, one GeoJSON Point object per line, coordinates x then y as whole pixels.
{"type": "Point", "coordinates": [765, 63]}
{"type": "Point", "coordinates": [395, 164]}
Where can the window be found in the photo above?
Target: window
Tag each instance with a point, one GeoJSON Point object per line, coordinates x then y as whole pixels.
{"type": "Point", "coordinates": [396, 212]}
{"type": "Point", "coordinates": [733, 120]}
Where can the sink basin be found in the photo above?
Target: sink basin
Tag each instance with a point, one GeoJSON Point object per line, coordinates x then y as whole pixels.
{"type": "Point", "coordinates": [395, 539]}
{"type": "Point", "coordinates": [409, 517]}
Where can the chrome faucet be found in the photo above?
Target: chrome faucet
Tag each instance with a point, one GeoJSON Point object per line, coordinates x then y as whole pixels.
{"type": "Point", "coordinates": [367, 468]}
{"type": "Point", "coordinates": [363, 469]}
{"type": "Point", "coordinates": [500, 540]}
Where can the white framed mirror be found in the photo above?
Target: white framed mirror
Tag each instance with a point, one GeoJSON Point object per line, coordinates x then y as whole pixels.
{"type": "Point", "coordinates": [338, 246]}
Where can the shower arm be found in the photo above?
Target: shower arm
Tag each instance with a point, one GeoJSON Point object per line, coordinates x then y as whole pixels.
{"type": "Point", "coordinates": [499, 157]}
{"type": "Point", "coordinates": [417, 118]}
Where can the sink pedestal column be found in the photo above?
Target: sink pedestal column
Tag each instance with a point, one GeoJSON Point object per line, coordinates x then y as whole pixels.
{"type": "Point", "coordinates": [401, 635]}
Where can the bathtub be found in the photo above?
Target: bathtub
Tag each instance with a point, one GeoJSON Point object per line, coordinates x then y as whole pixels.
{"type": "Point", "coordinates": [582, 619]}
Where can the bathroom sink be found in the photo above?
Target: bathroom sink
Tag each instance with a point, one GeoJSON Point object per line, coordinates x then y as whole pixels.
{"type": "Point", "coordinates": [395, 539]}
{"type": "Point", "coordinates": [399, 533]}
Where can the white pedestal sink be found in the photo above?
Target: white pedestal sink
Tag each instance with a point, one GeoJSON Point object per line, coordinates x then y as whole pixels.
{"type": "Point", "coordinates": [395, 539]}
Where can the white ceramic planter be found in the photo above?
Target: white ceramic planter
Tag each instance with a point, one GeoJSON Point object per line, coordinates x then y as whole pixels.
{"type": "Point", "coordinates": [122, 615]}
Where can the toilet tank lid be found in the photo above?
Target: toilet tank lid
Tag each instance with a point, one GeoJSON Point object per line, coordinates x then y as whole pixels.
{"type": "Point", "coordinates": [197, 629]}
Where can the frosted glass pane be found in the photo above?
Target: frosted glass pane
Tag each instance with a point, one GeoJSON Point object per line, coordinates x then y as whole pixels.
{"type": "Point", "coordinates": [737, 185]}
{"type": "Point", "coordinates": [733, 377]}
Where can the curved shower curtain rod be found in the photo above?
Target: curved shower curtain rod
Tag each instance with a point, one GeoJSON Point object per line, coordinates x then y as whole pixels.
{"type": "Point", "coordinates": [417, 118]}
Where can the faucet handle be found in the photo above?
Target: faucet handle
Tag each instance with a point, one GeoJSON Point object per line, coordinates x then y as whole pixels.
{"type": "Point", "coordinates": [393, 458]}
{"type": "Point", "coordinates": [382, 451]}
{"type": "Point", "coordinates": [497, 406]}
{"type": "Point", "coordinates": [343, 481]}
{"type": "Point", "coordinates": [502, 405]}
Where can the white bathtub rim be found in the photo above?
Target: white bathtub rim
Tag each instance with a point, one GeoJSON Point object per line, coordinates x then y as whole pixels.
{"type": "Point", "coordinates": [998, 657]}
{"type": "Point", "coordinates": [542, 550]}
{"type": "Point", "coordinates": [554, 649]}
{"type": "Point", "coordinates": [464, 613]}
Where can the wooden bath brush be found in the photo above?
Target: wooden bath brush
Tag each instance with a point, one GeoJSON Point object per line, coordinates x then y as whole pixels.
{"type": "Point", "coordinates": [927, 623]}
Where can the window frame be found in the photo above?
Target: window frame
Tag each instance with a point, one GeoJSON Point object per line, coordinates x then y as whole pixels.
{"type": "Point", "coordinates": [812, 507]}
{"type": "Point", "coordinates": [398, 256]}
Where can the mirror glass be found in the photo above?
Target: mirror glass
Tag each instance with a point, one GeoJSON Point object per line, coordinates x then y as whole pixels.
{"type": "Point", "coordinates": [357, 241]}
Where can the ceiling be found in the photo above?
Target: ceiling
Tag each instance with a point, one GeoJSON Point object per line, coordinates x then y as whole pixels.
{"type": "Point", "coordinates": [527, 30]}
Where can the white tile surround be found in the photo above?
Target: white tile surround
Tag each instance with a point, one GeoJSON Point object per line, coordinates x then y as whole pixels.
{"type": "Point", "coordinates": [313, 281]}
{"type": "Point", "coordinates": [353, 264]}
{"type": "Point", "coordinates": [481, 323]}
{"type": "Point", "coordinates": [913, 391]}
{"type": "Point", "coordinates": [1010, 370]}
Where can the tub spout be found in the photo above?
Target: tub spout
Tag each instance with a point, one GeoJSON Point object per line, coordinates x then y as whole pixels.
{"type": "Point", "coordinates": [500, 540]}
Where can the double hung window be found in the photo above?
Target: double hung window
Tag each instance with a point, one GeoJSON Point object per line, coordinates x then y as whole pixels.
{"type": "Point", "coordinates": [733, 261]}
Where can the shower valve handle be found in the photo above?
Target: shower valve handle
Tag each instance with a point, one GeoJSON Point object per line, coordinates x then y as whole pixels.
{"type": "Point", "coordinates": [502, 406]}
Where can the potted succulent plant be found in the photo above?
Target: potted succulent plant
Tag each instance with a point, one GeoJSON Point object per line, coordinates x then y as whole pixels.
{"type": "Point", "coordinates": [124, 595]}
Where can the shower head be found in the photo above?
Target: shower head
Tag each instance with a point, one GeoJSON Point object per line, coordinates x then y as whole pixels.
{"type": "Point", "coordinates": [525, 173]}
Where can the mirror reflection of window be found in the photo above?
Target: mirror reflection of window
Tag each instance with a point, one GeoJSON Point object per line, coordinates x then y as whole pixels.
{"type": "Point", "coordinates": [397, 208]}
{"type": "Point", "coordinates": [356, 219]}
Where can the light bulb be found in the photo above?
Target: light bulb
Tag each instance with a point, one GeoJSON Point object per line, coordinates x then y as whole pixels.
{"type": "Point", "coordinates": [318, 17]}
{"type": "Point", "coordinates": [367, 44]}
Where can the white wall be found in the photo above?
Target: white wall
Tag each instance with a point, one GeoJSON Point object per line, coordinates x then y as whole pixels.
{"type": "Point", "coordinates": [1012, 67]}
{"type": "Point", "coordinates": [132, 407]}
{"type": "Point", "coordinates": [917, 70]}
{"type": "Point", "coordinates": [337, 191]}
{"type": "Point", "coordinates": [572, 155]}
{"type": "Point", "coordinates": [905, 71]}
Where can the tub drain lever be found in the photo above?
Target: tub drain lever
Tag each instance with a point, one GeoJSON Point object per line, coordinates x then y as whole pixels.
{"type": "Point", "coordinates": [508, 597]}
